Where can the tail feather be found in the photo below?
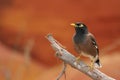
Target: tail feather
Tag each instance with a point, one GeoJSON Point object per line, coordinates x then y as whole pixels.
{"type": "Point", "coordinates": [97, 63]}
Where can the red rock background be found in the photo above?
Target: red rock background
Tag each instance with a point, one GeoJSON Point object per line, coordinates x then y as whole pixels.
{"type": "Point", "coordinates": [24, 21]}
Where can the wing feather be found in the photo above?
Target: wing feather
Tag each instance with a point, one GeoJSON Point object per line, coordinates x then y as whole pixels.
{"type": "Point", "coordinates": [94, 43]}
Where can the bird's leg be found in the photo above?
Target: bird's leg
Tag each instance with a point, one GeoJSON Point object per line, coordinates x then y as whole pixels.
{"type": "Point", "coordinates": [92, 64]}
{"type": "Point", "coordinates": [78, 59]}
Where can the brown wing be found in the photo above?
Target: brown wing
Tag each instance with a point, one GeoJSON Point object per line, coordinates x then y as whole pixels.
{"type": "Point", "coordinates": [93, 41]}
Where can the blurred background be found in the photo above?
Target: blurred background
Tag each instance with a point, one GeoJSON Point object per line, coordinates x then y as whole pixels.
{"type": "Point", "coordinates": [25, 53]}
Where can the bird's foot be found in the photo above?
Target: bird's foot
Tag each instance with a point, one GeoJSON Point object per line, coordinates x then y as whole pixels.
{"type": "Point", "coordinates": [91, 66]}
{"type": "Point", "coordinates": [78, 60]}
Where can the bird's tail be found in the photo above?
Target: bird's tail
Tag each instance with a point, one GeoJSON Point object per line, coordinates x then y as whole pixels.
{"type": "Point", "coordinates": [97, 63]}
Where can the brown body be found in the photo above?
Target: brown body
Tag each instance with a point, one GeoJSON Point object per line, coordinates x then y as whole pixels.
{"type": "Point", "coordinates": [87, 47]}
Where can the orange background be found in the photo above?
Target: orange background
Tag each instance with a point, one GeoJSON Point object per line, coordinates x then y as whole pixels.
{"type": "Point", "coordinates": [24, 21]}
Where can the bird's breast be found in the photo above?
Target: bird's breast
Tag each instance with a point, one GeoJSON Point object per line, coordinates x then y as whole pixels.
{"type": "Point", "coordinates": [78, 39]}
{"type": "Point", "coordinates": [83, 44]}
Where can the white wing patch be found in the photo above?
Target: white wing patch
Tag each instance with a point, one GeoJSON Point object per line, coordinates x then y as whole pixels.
{"type": "Point", "coordinates": [96, 46]}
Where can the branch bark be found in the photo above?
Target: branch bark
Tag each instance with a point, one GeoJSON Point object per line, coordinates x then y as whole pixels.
{"type": "Point", "coordinates": [70, 59]}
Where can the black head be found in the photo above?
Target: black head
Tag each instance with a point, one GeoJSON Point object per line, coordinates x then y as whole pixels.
{"type": "Point", "coordinates": [80, 27]}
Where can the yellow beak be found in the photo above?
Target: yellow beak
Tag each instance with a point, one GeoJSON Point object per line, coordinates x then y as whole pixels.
{"type": "Point", "coordinates": [72, 24]}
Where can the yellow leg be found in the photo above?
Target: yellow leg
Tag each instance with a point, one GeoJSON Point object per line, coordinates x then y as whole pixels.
{"type": "Point", "coordinates": [78, 59]}
{"type": "Point", "coordinates": [92, 64]}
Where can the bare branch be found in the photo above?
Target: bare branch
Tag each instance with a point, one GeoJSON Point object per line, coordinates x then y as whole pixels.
{"type": "Point", "coordinates": [70, 59]}
{"type": "Point", "coordinates": [62, 72]}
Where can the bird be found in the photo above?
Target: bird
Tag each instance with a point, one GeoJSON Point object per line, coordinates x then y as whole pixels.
{"type": "Point", "coordinates": [85, 44]}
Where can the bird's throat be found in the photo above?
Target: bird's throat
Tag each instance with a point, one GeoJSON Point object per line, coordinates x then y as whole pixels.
{"type": "Point", "coordinates": [79, 38]}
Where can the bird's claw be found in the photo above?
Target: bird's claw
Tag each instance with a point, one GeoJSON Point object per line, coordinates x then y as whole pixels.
{"type": "Point", "coordinates": [91, 67]}
{"type": "Point", "coordinates": [78, 60]}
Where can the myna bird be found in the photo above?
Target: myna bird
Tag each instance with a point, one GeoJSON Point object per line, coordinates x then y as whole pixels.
{"type": "Point", "coordinates": [85, 44]}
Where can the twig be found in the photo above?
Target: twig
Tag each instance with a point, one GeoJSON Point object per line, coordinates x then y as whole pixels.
{"type": "Point", "coordinates": [68, 58]}
{"type": "Point", "coordinates": [62, 72]}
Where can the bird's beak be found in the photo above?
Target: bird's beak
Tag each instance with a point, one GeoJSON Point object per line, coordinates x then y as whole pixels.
{"type": "Point", "coordinates": [72, 24]}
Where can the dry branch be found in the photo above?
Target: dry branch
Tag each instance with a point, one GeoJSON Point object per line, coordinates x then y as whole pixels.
{"type": "Point", "coordinates": [62, 72]}
{"type": "Point", "coordinates": [68, 58]}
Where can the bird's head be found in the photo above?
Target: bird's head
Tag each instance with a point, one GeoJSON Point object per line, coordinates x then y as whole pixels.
{"type": "Point", "coordinates": [80, 27]}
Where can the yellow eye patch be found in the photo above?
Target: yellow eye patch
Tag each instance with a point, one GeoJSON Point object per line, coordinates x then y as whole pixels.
{"type": "Point", "coordinates": [81, 25]}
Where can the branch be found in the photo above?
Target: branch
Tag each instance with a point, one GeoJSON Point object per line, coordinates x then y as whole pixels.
{"type": "Point", "coordinates": [62, 72]}
{"type": "Point", "coordinates": [68, 58]}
